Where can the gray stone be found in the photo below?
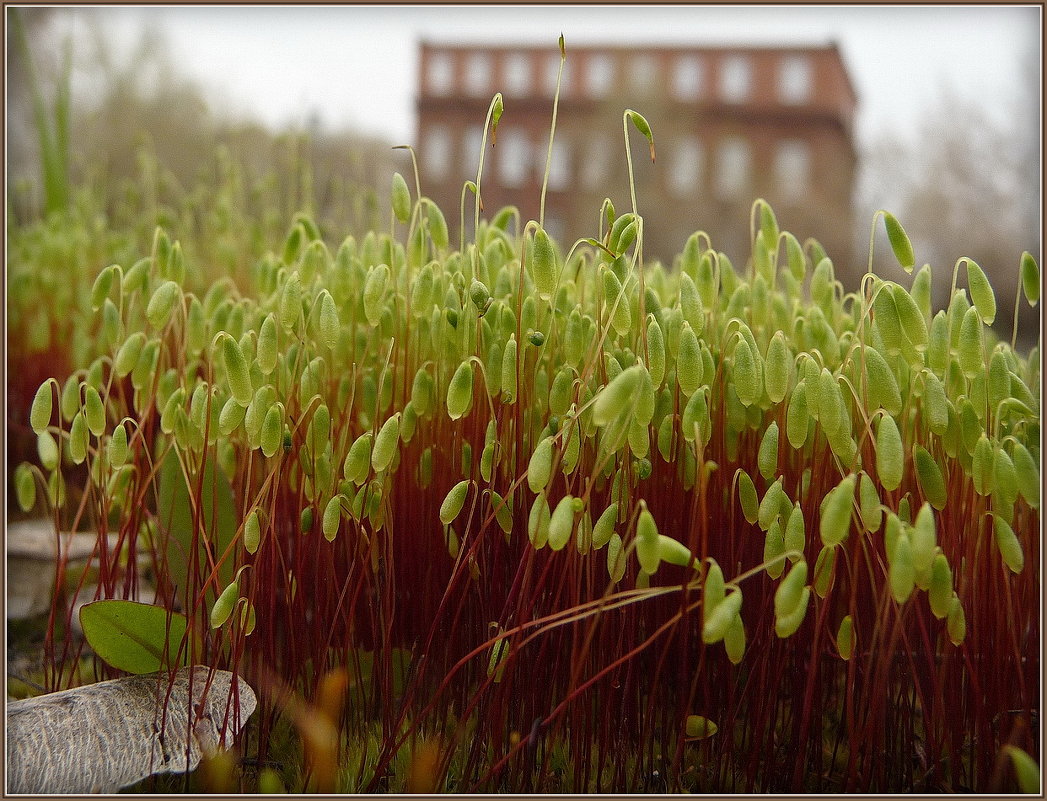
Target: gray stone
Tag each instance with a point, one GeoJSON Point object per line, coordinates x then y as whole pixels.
{"type": "Point", "coordinates": [106, 736]}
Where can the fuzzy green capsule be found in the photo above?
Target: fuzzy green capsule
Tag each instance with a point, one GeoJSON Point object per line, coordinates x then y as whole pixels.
{"type": "Point", "coordinates": [940, 591]}
{"type": "Point", "coordinates": [747, 496]}
{"type": "Point", "coordinates": [890, 461]}
{"type": "Point", "coordinates": [25, 487]}
{"type": "Point", "coordinates": [332, 517]}
{"type": "Point", "coordinates": [767, 458]}
{"type": "Point", "coordinates": [923, 539]}
{"type": "Point", "coordinates": [40, 411]}
{"type": "Point", "coordinates": [795, 535]}
{"type": "Point", "coordinates": [746, 381]}
{"type": "Point", "coordinates": [823, 570]}
{"type": "Point", "coordinates": [971, 345]}
{"type": "Point", "coordinates": [1027, 475]}
{"type": "Point", "coordinates": [1008, 544]}
{"type": "Point", "coordinates": [789, 592]}
{"type": "Point", "coordinates": [777, 366]}
{"type": "Point", "coordinates": [618, 397]}
{"type": "Point", "coordinates": [127, 356]}
{"type": "Point", "coordinates": [330, 325]}
{"type": "Point", "coordinates": [956, 621]}
{"type": "Point", "coordinates": [647, 551]}
{"type": "Point", "coordinates": [231, 416]}
{"type": "Point", "coordinates": [401, 198]}
{"type": "Point", "coordinates": [460, 391]}
{"type": "Point", "coordinates": [1030, 274]}
{"type": "Point", "coordinates": [101, 287]}
{"type": "Point", "coordinates": [538, 522]}
{"type": "Point", "coordinates": [47, 450]}
{"type": "Point", "coordinates": [94, 411]}
{"type": "Point", "coordinates": [358, 459]}
{"type": "Point", "coordinates": [788, 624]}
{"type": "Point", "coordinates": [774, 502]}
{"type": "Point", "coordinates": [845, 637]}
{"type": "Point", "coordinates": [698, 727]}
{"type": "Point", "coordinates": [385, 444]}
{"type": "Point", "coordinates": [374, 293]}
{"type": "Point", "coordinates": [252, 532]}
{"type": "Point", "coordinates": [508, 383]}
{"type": "Point", "coordinates": [453, 502]}
{"type": "Point", "coordinates": [910, 318]}
{"type": "Point", "coordinates": [616, 300]}
{"type": "Point", "coordinates": [223, 606]}
{"type": "Point", "coordinates": [981, 292]}
{"type": "Point", "coordinates": [900, 243]}
{"type": "Point", "coordinates": [561, 523]}
{"type": "Point", "coordinates": [691, 304]}
{"type": "Point", "coordinates": [437, 226]}
{"type": "Point", "coordinates": [236, 370]}
{"type": "Point", "coordinates": [540, 467]}
{"type": "Point", "coordinates": [78, 438]}
{"type": "Point", "coordinates": [869, 504]}
{"type": "Point", "coordinates": [272, 430]}
{"type": "Point", "coordinates": [655, 351]}
{"type": "Point", "coordinates": [713, 590]}
{"type": "Point", "coordinates": [543, 265]}
{"type": "Point", "coordinates": [604, 526]}
{"type": "Point", "coordinates": [689, 367]}
{"type": "Point", "coordinates": [696, 423]}
{"type": "Point", "coordinates": [902, 572]}
{"type": "Point", "coordinates": [616, 558]}
{"type": "Point", "coordinates": [716, 623]}
{"type": "Point", "coordinates": [774, 550]}
{"type": "Point", "coordinates": [929, 475]}
{"type": "Point", "coordinates": [982, 467]}
{"type": "Point", "coordinates": [835, 523]}
{"type": "Point", "coordinates": [796, 416]}
{"type": "Point", "coordinates": [162, 303]}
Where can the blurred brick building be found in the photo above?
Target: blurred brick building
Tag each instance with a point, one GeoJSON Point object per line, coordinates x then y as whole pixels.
{"type": "Point", "coordinates": [730, 124]}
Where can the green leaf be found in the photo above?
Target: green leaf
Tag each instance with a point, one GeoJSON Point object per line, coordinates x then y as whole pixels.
{"type": "Point", "coordinates": [135, 637]}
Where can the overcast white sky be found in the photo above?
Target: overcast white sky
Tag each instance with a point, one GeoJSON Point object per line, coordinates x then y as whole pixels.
{"type": "Point", "coordinates": [357, 65]}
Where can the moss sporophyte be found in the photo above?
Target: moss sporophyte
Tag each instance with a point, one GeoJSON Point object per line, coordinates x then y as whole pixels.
{"type": "Point", "coordinates": [544, 478]}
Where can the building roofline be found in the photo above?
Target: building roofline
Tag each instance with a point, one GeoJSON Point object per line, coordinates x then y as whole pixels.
{"type": "Point", "coordinates": [461, 44]}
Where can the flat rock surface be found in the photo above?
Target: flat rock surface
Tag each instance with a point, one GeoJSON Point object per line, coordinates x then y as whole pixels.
{"type": "Point", "coordinates": [105, 736]}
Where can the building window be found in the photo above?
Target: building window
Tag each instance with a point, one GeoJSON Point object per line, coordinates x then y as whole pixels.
{"type": "Point", "coordinates": [792, 168]}
{"type": "Point", "coordinates": [599, 75]}
{"type": "Point", "coordinates": [436, 156]}
{"type": "Point", "coordinates": [514, 157]}
{"type": "Point", "coordinates": [687, 77]}
{"type": "Point", "coordinates": [732, 168]}
{"type": "Point", "coordinates": [559, 166]}
{"type": "Point", "coordinates": [595, 163]}
{"type": "Point", "coordinates": [644, 71]}
{"type": "Point", "coordinates": [474, 135]}
{"type": "Point", "coordinates": [478, 74]}
{"type": "Point", "coordinates": [441, 73]}
{"type": "Point", "coordinates": [736, 75]}
{"type": "Point", "coordinates": [517, 75]}
{"type": "Point", "coordinates": [685, 168]}
{"type": "Point", "coordinates": [550, 69]}
{"type": "Point", "coordinates": [794, 80]}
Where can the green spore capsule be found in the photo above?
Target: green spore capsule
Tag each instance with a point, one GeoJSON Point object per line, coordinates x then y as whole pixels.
{"type": "Point", "coordinates": [385, 444]}
{"type": "Point", "coordinates": [956, 621]}
{"type": "Point", "coordinates": [910, 318]}
{"type": "Point", "coordinates": [869, 504]}
{"type": "Point", "coordinates": [795, 536]}
{"type": "Point", "coordinates": [691, 304]}
{"type": "Point", "coordinates": [509, 370]}
{"type": "Point", "coordinates": [400, 196]}
{"type": "Point", "coordinates": [1027, 475]}
{"type": "Point", "coordinates": [332, 518]}
{"type": "Point", "coordinates": [881, 386]}
{"type": "Point", "coordinates": [935, 404]}
{"type": "Point", "coordinates": [561, 523]}
{"type": "Point", "coordinates": [696, 423]}
{"type": "Point", "coordinates": [374, 293]}
{"type": "Point", "coordinates": [236, 370]}
{"type": "Point", "coordinates": [734, 640]}
{"type": "Point", "coordinates": [422, 392]}
{"type": "Point", "coordinates": [231, 416]}
{"type": "Point", "coordinates": [357, 461]}
{"type": "Point", "coordinates": [647, 552]}
{"type": "Point", "coordinates": [689, 366]}
{"type": "Point", "coordinates": [616, 558]}
{"type": "Point", "coordinates": [775, 500]}
{"type": "Point", "coordinates": [714, 590]}
{"type": "Point", "coordinates": [795, 257]}
{"type": "Point", "coordinates": [823, 570]}
{"type": "Point", "coordinates": [460, 391]}
{"type": "Point", "coordinates": [777, 368]}
{"type": "Point", "coordinates": [101, 287]}
{"type": "Point", "coordinates": [971, 345]}
{"type": "Point", "coordinates": [774, 550]}
{"type": "Point", "coordinates": [768, 453]}
{"type": "Point", "coordinates": [981, 292]}
{"type": "Point", "coordinates": [112, 326]}
{"type": "Point", "coordinates": [560, 392]}
{"type": "Point", "coordinates": [543, 265]}
{"type": "Point", "coordinates": [40, 411]}
{"type": "Point", "coordinates": [619, 396]}
{"type": "Point", "coordinates": [998, 384]}
{"type": "Point", "coordinates": [223, 606]}
{"type": "Point", "coordinates": [540, 467]}
{"type": "Point", "coordinates": [788, 624]}
{"type": "Point", "coordinates": [789, 592]}
{"type": "Point", "coordinates": [305, 520]}
{"type": "Point", "coordinates": [453, 502]}
{"type": "Point", "coordinates": [94, 411]}
{"type": "Point", "coordinates": [538, 522]}
{"type": "Point", "coordinates": [615, 299]}
{"type": "Point", "coordinates": [330, 325]}
{"type": "Point", "coordinates": [272, 431]}
{"type": "Point", "coordinates": [717, 622]}
{"type": "Point", "coordinates": [845, 638]}
{"type": "Point", "coordinates": [1030, 275]}
{"type": "Point", "coordinates": [1008, 544]}
{"type": "Point", "coordinates": [923, 539]}
{"type": "Point", "coordinates": [25, 487]}
{"type": "Point", "coordinates": [940, 591]}
{"type": "Point", "coordinates": [78, 438]}
{"type": "Point", "coordinates": [900, 243]}
{"type": "Point", "coordinates": [982, 467]}
{"type": "Point", "coordinates": [746, 381]}
{"type": "Point", "coordinates": [127, 355]}
{"type": "Point", "coordinates": [437, 226]}
{"type": "Point", "coordinates": [603, 529]}
{"type": "Point", "coordinates": [698, 727]}
{"type": "Point", "coordinates": [655, 351]}
{"type": "Point", "coordinates": [835, 523]}
{"type": "Point", "coordinates": [162, 303]}
{"type": "Point", "coordinates": [890, 462]}
{"type": "Point", "coordinates": [747, 496]}
{"type": "Point", "coordinates": [929, 475]}
{"type": "Point", "coordinates": [902, 572]}
{"type": "Point", "coordinates": [797, 418]}
{"type": "Point", "coordinates": [252, 532]}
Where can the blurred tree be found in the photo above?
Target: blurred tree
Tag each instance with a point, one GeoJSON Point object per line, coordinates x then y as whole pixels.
{"type": "Point", "coordinates": [962, 184]}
